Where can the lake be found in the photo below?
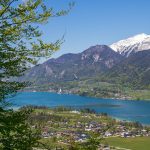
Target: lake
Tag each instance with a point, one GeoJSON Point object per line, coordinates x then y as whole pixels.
{"type": "Point", "coordinates": [121, 109]}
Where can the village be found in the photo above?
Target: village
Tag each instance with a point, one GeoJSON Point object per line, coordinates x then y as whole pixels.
{"type": "Point", "coordinates": [66, 126]}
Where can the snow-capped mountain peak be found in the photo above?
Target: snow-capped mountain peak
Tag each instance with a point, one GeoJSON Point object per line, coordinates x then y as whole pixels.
{"type": "Point", "coordinates": [136, 43]}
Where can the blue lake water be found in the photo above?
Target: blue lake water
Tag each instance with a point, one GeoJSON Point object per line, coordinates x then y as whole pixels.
{"type": "Point", "coordinates": [121, 109]}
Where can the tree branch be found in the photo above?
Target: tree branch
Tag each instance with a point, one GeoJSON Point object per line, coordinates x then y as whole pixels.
{"type": "Point", "coordinates": [7, 8]}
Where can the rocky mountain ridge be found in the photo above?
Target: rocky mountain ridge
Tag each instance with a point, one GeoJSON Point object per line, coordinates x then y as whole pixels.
{"type": "Point", "coordinates": [95, 60]}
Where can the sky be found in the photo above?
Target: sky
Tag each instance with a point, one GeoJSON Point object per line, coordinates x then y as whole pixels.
{"type": "Point", "coordinates": [93, 22]}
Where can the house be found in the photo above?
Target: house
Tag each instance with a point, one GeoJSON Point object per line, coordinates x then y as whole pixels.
{"type": "Point", "coordinates": [126, 134]}
{"type": "Point", "coordinates": [107, 134]}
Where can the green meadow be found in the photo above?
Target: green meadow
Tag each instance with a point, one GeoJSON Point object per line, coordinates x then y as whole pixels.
{"type": "Point", "coordinates": [138, 143]}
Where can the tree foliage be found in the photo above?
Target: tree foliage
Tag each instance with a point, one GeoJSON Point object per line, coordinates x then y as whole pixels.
{"type": "Point", "coordinates": [15, 132]}
{"type": "Point", "coordinates": [21, 46]}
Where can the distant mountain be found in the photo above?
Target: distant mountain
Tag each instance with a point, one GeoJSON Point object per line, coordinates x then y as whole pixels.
{"type": "Point", "coordinates": [127, 64]}
{"type": "Point", "coordinates": [133, 44]}
{"type": "Point", "coordinates": [91, 62]}
{"type": "Point", "coordinates": [134, 70]}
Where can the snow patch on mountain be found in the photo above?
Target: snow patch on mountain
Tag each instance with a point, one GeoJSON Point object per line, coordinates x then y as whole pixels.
{"type": "Point", "coordinates": [136, 43]}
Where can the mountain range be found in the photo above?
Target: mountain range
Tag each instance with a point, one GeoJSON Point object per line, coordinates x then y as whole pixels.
{"type": "Point", "coordinates": [95, 60]}
{"type": "Point", "coordinates": [126, 61]}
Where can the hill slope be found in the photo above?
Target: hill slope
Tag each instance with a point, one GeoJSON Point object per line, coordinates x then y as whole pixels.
{"type": "Point", "coordinates": [133, 70]}
{"type": "Point", "coordinates": [91, 62]}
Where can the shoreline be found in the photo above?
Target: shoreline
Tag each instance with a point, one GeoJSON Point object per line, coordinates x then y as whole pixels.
{"type": "Point", "coordinates": [111, 98]}
{"type": "Point", "coordinates": [111, 116]}
{"type": "Point", "coordinates": [95, 103]}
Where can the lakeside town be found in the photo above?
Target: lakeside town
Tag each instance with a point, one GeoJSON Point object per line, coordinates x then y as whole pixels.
{"type": "Point", "coordinates": [62, 127]}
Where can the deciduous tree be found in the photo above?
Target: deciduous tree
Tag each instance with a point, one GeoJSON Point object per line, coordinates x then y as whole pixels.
{"type": "Point", "coordinates": [21, 47]}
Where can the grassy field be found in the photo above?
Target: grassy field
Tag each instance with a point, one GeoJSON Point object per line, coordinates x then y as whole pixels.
{"type": "Point", "coordinates": [140, 94]}
{"type": "Point", "coordinates": [138, 143]}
